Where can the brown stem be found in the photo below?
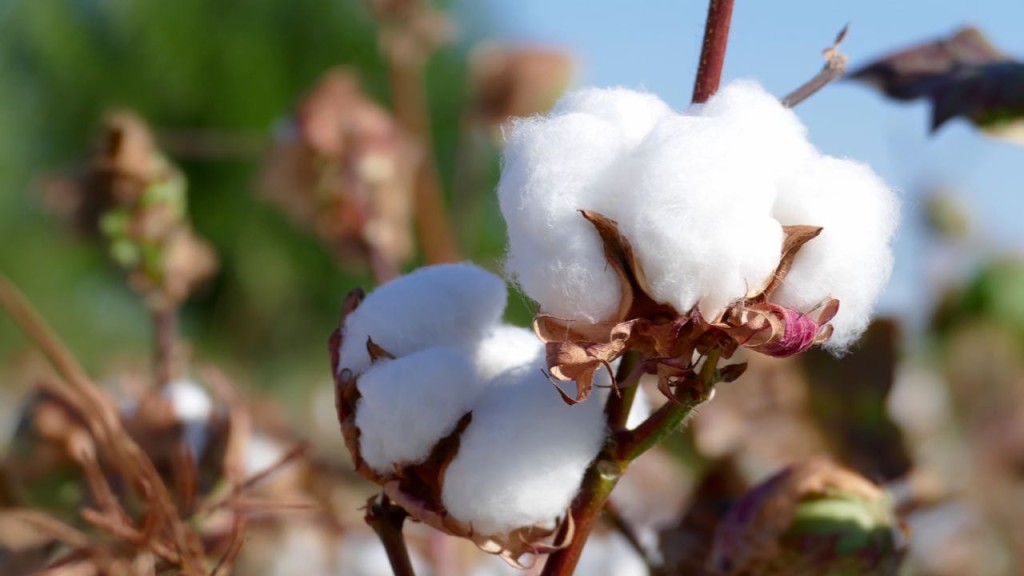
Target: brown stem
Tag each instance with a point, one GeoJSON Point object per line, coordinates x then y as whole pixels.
{"type": "Point", "coordinates": [165, 343]}
{"type": "Point", "coordinates": [712, 54]}
{"type": "Point", "coordinates": [410, 102]}
{"type": "Point", "coordinates": [386, 520]}
{"type": "Point", "coordinates": [835, 66]}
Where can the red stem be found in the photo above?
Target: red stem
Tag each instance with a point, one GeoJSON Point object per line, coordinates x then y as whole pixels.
{"type": "Point", "coordinates": [712, 54]}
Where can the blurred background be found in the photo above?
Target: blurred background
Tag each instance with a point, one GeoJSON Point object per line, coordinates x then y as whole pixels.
{"type": "Point", "coordinates": [227, 88]}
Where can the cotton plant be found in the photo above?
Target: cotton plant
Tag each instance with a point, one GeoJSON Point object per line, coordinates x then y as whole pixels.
{"type": "Point", "coordinates": [656, 243]}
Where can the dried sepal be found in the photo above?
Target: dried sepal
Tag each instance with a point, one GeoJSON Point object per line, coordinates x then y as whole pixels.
{"type": "Point", "coordinates": [794, 238]}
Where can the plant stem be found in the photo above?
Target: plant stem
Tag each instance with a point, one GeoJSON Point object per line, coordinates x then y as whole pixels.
{"type": "Point", "coordinates": [386, 520]}
{"type": "Point", "coordinates": [165, 343]}
{"type": "Point", "coordinates": [409, 99]}
{"type": "Point", "coordinates": [712, 54]}
{"type": "Point", "coordinates": [835, 66]}
{"type": "Point", "coordinates": [627, 381]}
{"type": "Point", "coordinates": [668, 418]}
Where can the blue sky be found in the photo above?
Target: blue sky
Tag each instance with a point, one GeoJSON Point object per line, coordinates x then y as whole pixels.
{"type": "Point", "coordinates": [654, 44]}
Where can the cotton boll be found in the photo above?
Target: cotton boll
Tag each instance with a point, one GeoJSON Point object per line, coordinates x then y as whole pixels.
{"type": "Point", "coordinates": [773, 137]}
{"type": "Point", "coordinates": [632, 113]}
{"type": "Point", "coordinates": [451, 304]}
{"type": "Point", "coordinates": [506, 347]}
{"type": "Point", "coordinates": [851, 259]}
{"type": "Point", "coordinates": [523, 456]}
{"type": "Point", "coordinates": [193, 408]}
{"type": "Point", "coordinates": [700, 224]}
{"type": "Point", "coordinates": [552, 168]}
{"type": "Point", "coordinates": [407, 404]}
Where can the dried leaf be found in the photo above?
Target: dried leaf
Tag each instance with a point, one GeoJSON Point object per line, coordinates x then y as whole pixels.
{"type": "Point", "coordinates": [964, 75]}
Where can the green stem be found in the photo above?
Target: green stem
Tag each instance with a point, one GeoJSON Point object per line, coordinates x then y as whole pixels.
{"type": "Point", "coordinates": [632, 443]}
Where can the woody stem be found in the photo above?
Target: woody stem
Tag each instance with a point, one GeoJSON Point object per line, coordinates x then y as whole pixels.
{"type": "Point", "coordinates": [386, 519]}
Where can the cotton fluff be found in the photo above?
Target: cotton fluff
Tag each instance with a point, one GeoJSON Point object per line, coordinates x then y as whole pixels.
{"type": "Point", "coordinates": [193, 408]}
{"type": "Point", "coordinates": [522, 458]}
{"type": "Point", "coordinates": [701, 224]}
{"type": "Point", "coordinates": [506, 347]}
{"type": "Point", "coordinates": [554, 167]}
{"type": "Point", "coordinates": [450, 304]}
{"type": "Point", "coordinates": [407, 404]}
{"type": "Point", "coordinates": [851, 259]}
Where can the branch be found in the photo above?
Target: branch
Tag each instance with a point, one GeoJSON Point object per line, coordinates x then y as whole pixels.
{"type": "Point", "coordinates": [712, 54]}
{"type": "Point", "coordinates": [165, 343]}
{"type": "Point", "coordinates": [835, 66]}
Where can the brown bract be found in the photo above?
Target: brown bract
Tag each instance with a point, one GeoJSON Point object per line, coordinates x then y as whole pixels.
{"type": "Point", "coordinates": [345, 170]}
{"type": "Point", "coordinates": [418, 487]}
{"type": "Point", "coordinates": [668, 338]}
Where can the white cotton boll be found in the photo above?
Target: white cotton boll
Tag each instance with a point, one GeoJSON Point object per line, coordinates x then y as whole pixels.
{"type": "Point", "coordinates": [193, 408]}
{"type": "Point", "coordinates": [632, 113]}
{"type": "Point", "coordinates": [700, 223]}
{"type": "Point", "coordinates": [446, 305]}
{"type": "Point", "coordinates": [407, 404]}
{"type": "Point", "coordinates": [523, 456]}
{"type": "Point", "coordinates": [851, 259]}
{"type": "Point", "coordinates": [506, 347]}
{"type": "Point", "coordinates": [773, 137]}
{"type": "Point", "coordinates": [552, 168]}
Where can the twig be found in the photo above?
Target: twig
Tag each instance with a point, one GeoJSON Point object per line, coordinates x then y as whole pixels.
{"type": "Point", "coordinates": [835, 66]}
{"type": "Point", "coordinates": [165, 343]}
{"type": "Point", "coordinates": [627, 382]}
{"type": "Point", "coordinates": [386, 520]}
{"type": "Point", "coordinates": [712, 54]}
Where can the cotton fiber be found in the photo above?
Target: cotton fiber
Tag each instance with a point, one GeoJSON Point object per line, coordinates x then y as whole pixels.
{"type": "Point", "coordinates": [851, 259]}
{"type": "Point", "coordinates": [193, 408]}
{"type": "Point", "coordinates": [448, 305]}
{"type": "Point", "coordinates": [701, 196]}
{"type": "Point", "coordinates": [506, 347]}
{"type": "Point", "coordinates": [523, 456]}
{"type": "Point", "coordinates": [554, 167]}
{"type": "Point", "coordinates": [407, 404]}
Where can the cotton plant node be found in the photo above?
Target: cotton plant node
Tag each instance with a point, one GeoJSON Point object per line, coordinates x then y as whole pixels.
{"type": "Point", "coordinates": [436, 477]}
{"type": "Point", "coordinates": [813, 517]}
{"type": "Point", "coordinates": [343, 168]}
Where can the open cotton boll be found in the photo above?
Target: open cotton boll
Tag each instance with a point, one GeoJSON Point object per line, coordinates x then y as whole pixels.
{"type": "Point", "coordinates": [851, 259]}
{"type": "Point", "coordinates": [773, 137]}
{"type": "Point", "coordinates": [522, 458]}
{"type": "Point", "coordinates": [632, 113]}
{"type": "Point", "coordinates": [506, 347]}
{"type": "Point", "coordinates": [552, 168]}
{"type": "Point", "coordinates": [446, 305]}
{"type": "Point", "coordinates": [407, 404]}
{"type": "Point", "coordinates": [700, 223]}
{"type": "Point", "coordinates": [193, 408]}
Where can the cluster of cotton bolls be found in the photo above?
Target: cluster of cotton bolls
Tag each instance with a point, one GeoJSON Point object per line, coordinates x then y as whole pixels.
{"type": "Point", "coordinates": [521, 458]}
{"type": "Point", "coordinates": [702, 197]}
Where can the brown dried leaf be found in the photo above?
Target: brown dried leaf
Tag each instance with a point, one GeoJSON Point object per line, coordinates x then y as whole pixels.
{"type": "Point", "coordinates": [794, 238]}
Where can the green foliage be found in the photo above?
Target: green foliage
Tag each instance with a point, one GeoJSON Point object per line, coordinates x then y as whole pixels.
{"type": "Point", "coordinates": [190, 67]}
